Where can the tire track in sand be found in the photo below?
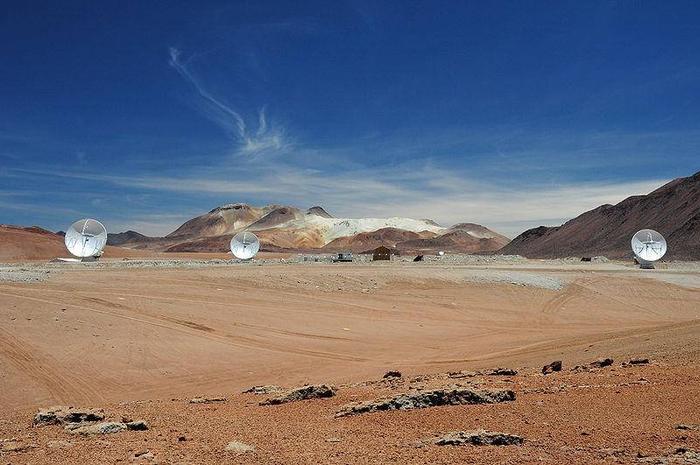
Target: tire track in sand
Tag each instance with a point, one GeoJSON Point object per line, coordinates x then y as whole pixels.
{"type": "Point", "coordinates": [557, 303]}
{"type": "Point", "coordinates": [32, 363]}
{"type": "Point", "coordinates": [186, 327]}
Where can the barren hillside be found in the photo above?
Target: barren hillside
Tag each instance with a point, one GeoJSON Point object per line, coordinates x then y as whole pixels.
{"type": "Point", "coordinates": [673, 210]}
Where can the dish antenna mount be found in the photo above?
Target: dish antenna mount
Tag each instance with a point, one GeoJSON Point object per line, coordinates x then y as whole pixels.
{"type": "Point", "coordinates": [648, 246]}
{"type": "Point", "coordinates": [245, 245]}
{"type": "Point", "coordinates": [86, 239]}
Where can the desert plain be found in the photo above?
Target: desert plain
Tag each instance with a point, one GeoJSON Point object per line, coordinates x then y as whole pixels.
{"type": "Point", "coordinates": [142, 338]}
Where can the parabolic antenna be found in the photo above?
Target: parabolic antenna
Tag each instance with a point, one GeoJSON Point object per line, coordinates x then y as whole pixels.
{"type": "Point", "coordinates": [648, 246]}
{"type": "Point", "coordinates": [86, 238]}
{"type": "Point", "coordinates": [245, 245]}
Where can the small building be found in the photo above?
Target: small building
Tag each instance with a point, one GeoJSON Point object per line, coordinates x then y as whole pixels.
{"type": "Point", "coordinates": [381, 253]}
{"type": "Point", "coordinates": [343, 257]}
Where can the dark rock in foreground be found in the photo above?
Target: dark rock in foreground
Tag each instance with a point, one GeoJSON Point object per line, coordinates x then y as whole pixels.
{"type": "Point", "coordinates": [636, 361]}
{"type": "Point", "coordinates": [107, 427]}
{"type": "Point", "coordinates": [600, 363]}
{"type": "Point", "coordinates": [266, 389]}
{"type": "Point", "coordinates": [302, 393]}
{"type": "Point", "coordinates": [139, 425]}
{"type": "Point", "coordinates": [434, 398]}
{"type": "Point", "coordinates": [392, 374]}
{"type": "Point", "coordinates": [60, 415]}
{"type": "Point", "coordinates": [501, 372]}
{"type": "Point", "coordinates": [681, 455]}
{"type": "Point", "coordinates": [479, 438]}
{"type": "Point", "coordinates": [552, 367]}
{"type": "Point", "coordinates": [490, 372]}
{"type": "Point", "coordinates": [603, 362]}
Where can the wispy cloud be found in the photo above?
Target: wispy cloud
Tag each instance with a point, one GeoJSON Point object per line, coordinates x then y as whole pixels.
{"type": "Point", "coordinates": [267, 137]}
{"type": "Point", "coordinates": [447, 196]}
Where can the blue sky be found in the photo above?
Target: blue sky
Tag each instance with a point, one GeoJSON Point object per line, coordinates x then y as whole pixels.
{"type": "Point", "coordinates": [508, 114]}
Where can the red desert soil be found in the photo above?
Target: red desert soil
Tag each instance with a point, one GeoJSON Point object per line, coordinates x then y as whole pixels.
{"type": "Point", "coordinates": [140, 342]}
{"type": "Point", "coordinates": [21, 244]}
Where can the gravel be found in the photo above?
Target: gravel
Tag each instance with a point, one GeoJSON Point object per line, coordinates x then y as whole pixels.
{"type": "Point", "coordinates": [504, 269]}
{"type": "Point", "coordinates": [22, 275]}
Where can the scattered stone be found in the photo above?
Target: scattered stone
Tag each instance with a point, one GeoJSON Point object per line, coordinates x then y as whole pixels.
{"type": "Point", "coordinates": [239, 448]}
{"type": "Point", "coordinates": [635, 362]}
{"type": "Point", "coordinates": [15, 446]}
{"type": "Point", "coordinates": [207, 400]}
{"type": "Point", "coordinates": [144, 455]}
{"type": "Point", "coordinates": [501, 372]}
{"type": "Point", "coordinates": [266, 389]}
{"type": "Point", "coordinates": [302, 393]}
{"type": "Point", "coordinates": [137, 425]}
{"type": "Point", "coordinates": [479, 438]}
{"type": "Point", "coordinates": [601, 363]}
{"type": "Point", "coordinates": [332, 439]}
{"type": "Point", "coordinates": [552, 367]}
{"type": "Point", "coordinates": [688, 454]}
{"type": "Point", "coordinates": [684, 427]}
{"type": "Point", "coordinates": [491, 372]}
{"type": "Point", "coordinates": [59, 444]}
{"type": "Point", "coordinates": [59, 415]}
{"type": "Point", "coordinates": [434, 398]}
{"type": "Point", "coordinates": [107, 427]}
{"type": "Point", "coordinates": [679, 456]}
{"type": "Point", "coordinates": [392, 374]}
{"type": "Point", "coordinates": [461, 374]}
{"type": "Point", "coordinates": [181, 438]}
{"type": "Point", "coordinates": [613, 452]}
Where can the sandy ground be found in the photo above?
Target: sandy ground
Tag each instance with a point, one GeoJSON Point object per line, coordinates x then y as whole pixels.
{"type": "Point", "coordinates": [132, 339]}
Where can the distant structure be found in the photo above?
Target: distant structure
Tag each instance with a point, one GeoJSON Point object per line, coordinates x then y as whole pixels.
{"type": "Point", "coordinates": [343, 257]}
{"type": "Point", "coordinates": [245, 245]}
{"type": "Point", "coordinates": [648, 246]}
{"type": "Point", "coordinates": [381, 253]}
{"type": "Point", "coordinates": [86, 239]}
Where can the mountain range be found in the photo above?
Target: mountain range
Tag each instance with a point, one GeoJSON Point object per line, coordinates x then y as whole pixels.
{"type": "Point", "coordinates": [673, 209]}
{"type": "Point", "coordinates": [287, 228]}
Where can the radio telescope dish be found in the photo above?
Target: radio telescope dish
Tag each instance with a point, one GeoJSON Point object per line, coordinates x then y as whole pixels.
{"type": "Point", "coordinates": [86, 238]}
{"type": "Point", "coordinates": [245, 245]}
{"type": "Point", "coordinates": [648, 246]}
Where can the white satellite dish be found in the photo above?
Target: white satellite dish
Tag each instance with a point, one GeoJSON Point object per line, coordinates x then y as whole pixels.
{"type": "Point", "coordinates": [245, 245]}
{"type": "Point", "coordinates": [648, 246]}
{"type": "Point", "coordinates": [86, 238]}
